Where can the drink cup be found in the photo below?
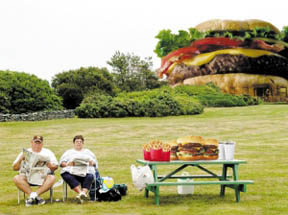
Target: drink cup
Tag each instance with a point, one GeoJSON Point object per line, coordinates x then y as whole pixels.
{"type": "Point", "coordinates": [221, 155]}
{"type": "Point", "coordinates": [229, 149]}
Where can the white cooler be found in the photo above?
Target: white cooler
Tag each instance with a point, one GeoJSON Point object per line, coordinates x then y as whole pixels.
{"type": "Point", "coordinates": [185, 189]}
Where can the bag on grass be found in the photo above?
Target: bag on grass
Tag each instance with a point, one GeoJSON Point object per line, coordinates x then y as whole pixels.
{"type": "Point", "coordinates": [111, 195]}
{"type": "Point", "coordinates": [106, 183]}
{"type": "Point", "coordinates": [141, 176]}
{"type": "Point", "coordinates": [105, 189]}
{"type": "Point", "coordinates": [122, 188]}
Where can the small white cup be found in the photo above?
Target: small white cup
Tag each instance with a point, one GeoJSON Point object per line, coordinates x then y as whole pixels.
{"type": "Point", "coordinates": [229, 149]}
{"type": "Point", "coordinates": [221, 155]}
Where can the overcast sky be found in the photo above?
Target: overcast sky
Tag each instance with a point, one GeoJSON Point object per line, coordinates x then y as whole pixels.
{"type": "Point", "coordinates": [46, 37]}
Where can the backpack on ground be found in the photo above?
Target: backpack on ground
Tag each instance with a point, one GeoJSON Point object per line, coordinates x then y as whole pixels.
{"type": "Point", "coordinates": [106, 190]}
{"type": "Point", "coordinates": [111, 195]}
{"type": "Point", "coordinates": [122, 188]}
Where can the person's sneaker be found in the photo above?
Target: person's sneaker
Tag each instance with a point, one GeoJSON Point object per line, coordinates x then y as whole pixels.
{"type": "Point", "coordinates": [78, 199]}
{"type": "Point", "coordinates": [40, 201]}
{"type": "Point", "coordinates": [83, 196]}
{"type": "Point", "coordinates": [33, 195]}
{"type": "Point", "coordinates": [29, 202]}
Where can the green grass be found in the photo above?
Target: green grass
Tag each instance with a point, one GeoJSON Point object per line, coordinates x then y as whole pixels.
{"type": "Point", "coordinates": [261, 138]}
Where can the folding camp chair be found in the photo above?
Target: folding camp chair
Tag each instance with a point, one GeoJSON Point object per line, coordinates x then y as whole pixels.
{"type": "Point", "coordinates": [19, 191]}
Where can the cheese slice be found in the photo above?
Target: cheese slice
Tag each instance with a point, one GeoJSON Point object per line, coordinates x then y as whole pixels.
{"type": "Point", "coordinates": [207, 57]}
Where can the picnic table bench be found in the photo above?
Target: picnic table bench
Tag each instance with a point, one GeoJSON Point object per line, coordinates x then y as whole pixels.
{"type": "Point", "coordinates": [223, 180]}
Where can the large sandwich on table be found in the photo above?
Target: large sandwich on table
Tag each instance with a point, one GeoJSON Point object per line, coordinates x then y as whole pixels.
{"type": "Point", "coordinates": [211, 150]}
{"type": "Point", "coordinates": [223, 51]}
{"type": "Point", "coordinates": [190, 148]}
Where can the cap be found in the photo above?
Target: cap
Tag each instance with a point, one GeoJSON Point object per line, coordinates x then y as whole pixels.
{"type": "Point", "coordinates": [38, 139]}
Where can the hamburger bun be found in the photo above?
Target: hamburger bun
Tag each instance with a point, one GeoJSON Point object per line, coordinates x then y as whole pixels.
{"type": "Point", "coordinates": [210, 157]}
{"type": "Point", "coordinates": [173, 143]}
{"type": "Point", "coordinates": [211, 142]}
{"type": "Point", "coordinates": [239, 83]}
{"type": "Point", "coordinates": [190, 139]}
{"type": "Point", "coordinates": [234, 25]}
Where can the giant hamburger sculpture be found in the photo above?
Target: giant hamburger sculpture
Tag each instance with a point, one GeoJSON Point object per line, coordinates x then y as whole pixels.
{"type": "Point", "coordinates": [241, 57]}
{"type": "Point", "coordinates": [196, 148]}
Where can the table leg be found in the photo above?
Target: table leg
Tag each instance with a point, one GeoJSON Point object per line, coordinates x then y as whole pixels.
{"type": "Point", "coordinates": [155, 189]}
{"type": "Point", "coordinates": [235, 172]}
{"type": "Point", "coordinates": [237, 193]}
{"type": "Point", "coordinates": [224, 177]}
{"type": "Point", "coordinates": [146, 192]}
{"type": "Point", "coordinates": [237, 187]}
{"type": "Point", "coordinates": [154, 170]}
{"type": "Point", "coordinates": [157, 201]}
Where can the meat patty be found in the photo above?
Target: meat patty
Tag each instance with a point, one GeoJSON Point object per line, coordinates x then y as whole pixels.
{"type": "Point", "coordinates": [225, 63]}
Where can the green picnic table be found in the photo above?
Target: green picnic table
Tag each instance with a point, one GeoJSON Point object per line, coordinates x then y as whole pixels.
{"type": "Point", "coordinates": [214, 179]}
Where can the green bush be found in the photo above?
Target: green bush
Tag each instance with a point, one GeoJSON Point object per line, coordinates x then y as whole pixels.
{"type": "Point", "coordinates": [165, 101]}
{"type": "Point", "coordinates": [22, 93]}
{"type": "Point", "coordinates": [189, 105]}
{"type": "Point", "coordinates": [249, 100]}
{"type": "Point", "coordinates": [221, 100]}
{"type": "Point", "coordinates": [211, 96]}
{"type": "Point", "coordinates": [74, 85]}
{"type": "Point", "coordinates": [162, 104]}
{"type": "Point", "coordinates": [152, 103]}
{"type": "Point", "coordinates": [94, 106]}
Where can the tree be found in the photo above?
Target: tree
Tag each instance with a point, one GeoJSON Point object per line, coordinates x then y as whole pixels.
{"type": "Point", "coordinates": [74, 85]}
{"type": "Point", "coordinates": [22, 93]}
{"type": "Point", "coordinates": [131, 73]}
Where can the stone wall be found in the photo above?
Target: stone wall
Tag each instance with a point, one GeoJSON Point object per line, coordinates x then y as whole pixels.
{"type": "Point", "coordinates": [37, 116]}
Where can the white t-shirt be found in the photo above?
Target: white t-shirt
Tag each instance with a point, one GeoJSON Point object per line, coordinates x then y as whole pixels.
{"type": "Point", "coordinates": [70, 154]}
{"type": "Point", "coordinates": [44, 152]}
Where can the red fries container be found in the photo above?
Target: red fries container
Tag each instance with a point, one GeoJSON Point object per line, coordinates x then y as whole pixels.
{"type": "Point", "coordinates": [166, 156]}
{"type": "Point", "coordinates": [147, 155]}
{"type": "Point", "coordinates": [156, 155]}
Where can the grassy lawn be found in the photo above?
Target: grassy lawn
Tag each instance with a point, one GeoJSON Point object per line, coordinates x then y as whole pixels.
{"type": "Point", "coordinates": [261, 138]}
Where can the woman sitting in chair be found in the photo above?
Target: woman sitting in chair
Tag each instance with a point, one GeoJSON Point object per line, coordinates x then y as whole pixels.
{"type": "Point", "coordinates": [78, 168]}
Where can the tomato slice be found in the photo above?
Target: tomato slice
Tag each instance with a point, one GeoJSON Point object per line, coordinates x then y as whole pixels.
{"type": "Point", "coordinates": [197, 47]}
{"type": "Point", "coordinates": [180, 51]}
{"type": "Point", "coordinates": [218, 41]}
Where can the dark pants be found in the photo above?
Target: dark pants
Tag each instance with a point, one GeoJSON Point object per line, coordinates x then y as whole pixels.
{"type": "Point", "coordinates": [74, 180]}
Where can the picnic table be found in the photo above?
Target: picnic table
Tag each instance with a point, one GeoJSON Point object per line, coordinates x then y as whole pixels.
{"type": "Point", "coordinates": [223, 180]}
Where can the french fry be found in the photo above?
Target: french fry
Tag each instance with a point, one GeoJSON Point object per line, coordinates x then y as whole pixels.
{"type": "Point", "coordinates": [156, 144]}
{"type": "Point", "coordinates": [166, 147]}
{"type": "Point", "coordinates": [146, 147]}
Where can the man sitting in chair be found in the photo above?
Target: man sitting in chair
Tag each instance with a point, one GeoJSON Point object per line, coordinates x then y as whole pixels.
{"type": "Point", "coordinates": [78, 168]}
{"type": "Point", "coordinates": [41, 170]}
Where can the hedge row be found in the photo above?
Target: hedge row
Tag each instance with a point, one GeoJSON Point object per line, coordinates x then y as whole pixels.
{"type": "Point", "coordinates": [211, 96]}
{"type": "Point", "coordinates": [165, 101]}
{"type": "Point", "coordinates": [150, 104]}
